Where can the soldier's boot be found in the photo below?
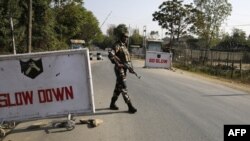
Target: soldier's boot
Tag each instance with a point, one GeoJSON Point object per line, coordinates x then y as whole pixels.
{"type": "Point", "coordinates": [131, 108]}
{"type": "Point", "coordinates": [112, 104]}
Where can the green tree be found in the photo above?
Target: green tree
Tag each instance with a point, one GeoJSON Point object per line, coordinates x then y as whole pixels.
{"type": "Point", "coordinates": [107, 42]}
{"type": "Point", "coordinates": [75, 22]}
{"type": "Point", "coordinates": [61, 3]}
{"type": "Point", "coordinates": [55, 22]}
{"type": "Point", "coordinates": [4, 31]}
{"type": "Point", "coordinates": [236, 41]}
{"type": "Point", "coordinates": [18, 10]}
{"type": "Point", "coordinates": [89, 28]}
{"type": "Point", "coordinates": [214, 13]}
{"type": "Point", "coordinates": [136, 38]}
{"type": "Point", "coordinates": [69, 20]}
{"type": "Point", "coordinates": [110, 38]}
{"type": "Point", "coordinates": [154, 34]}
{"type": "Point", "coordinates": [239, 35]}
{"type": "Point", "coordinates": [43, 35]}
{"type": "Point", "coordinates": [110, 30]}
{"type": "Point", "coordinates": [175, 17]}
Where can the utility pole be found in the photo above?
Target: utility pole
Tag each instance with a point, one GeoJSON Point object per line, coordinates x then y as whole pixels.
{"type": "Point", "coordinates": [144, 37]}
{"type": "Point", "coordinates": [12, 32]}
{"type": "Point", "coordinates": [145, 42]}
{"type": "Point", "coordinates": [30, 26]}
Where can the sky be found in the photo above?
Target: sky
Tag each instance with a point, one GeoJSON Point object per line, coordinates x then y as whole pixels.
{"type": "Point", "coordinates": [137, 14]}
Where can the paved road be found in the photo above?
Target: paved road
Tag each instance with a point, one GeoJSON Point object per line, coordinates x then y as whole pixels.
{"type": "Point", "coordinates": [171, 107]}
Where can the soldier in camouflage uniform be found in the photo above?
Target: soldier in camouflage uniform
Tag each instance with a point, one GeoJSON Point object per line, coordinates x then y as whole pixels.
{"type": "Point", "coordinates": [120, 50]}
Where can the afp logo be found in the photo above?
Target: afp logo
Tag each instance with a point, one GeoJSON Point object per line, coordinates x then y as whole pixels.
{"type": "Point", "coordinates": [31, 68]}
{"type": "Point", "coordinates": [236, 132]}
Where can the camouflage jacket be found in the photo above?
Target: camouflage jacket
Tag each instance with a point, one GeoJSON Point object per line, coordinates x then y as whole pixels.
{"type": "Point", "coordinates": [121, 51]}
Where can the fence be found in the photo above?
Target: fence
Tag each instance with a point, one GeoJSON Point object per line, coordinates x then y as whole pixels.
{"type": "Point", "coordinates": [232, 64]}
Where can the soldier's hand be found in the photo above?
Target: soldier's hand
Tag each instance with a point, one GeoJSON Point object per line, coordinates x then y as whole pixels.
{"type": "Point", "coordinates": [130, 70]}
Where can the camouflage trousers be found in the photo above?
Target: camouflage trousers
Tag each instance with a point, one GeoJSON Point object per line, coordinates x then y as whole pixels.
{"type": "Point", "coordinates": [121, 86]}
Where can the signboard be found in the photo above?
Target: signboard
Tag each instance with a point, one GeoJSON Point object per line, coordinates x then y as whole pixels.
{"type": "Point", "coordinates": [156, 59]}
{"type": "Point", "coordinates": [39, 85]}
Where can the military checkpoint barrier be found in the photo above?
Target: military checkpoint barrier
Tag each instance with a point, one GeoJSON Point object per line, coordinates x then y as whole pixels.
{"type": "Point", "coordinates": [155, 59]}
{"type": "Point", "coordinates": [43, 85]}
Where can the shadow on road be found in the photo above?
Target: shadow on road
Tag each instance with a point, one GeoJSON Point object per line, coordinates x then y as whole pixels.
{"type": "Point", "coordinates": [227, 95]}
{"type": "Point", "coordinates": [106, 111]}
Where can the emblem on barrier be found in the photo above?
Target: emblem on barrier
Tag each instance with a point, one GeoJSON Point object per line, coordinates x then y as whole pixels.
{"type": "Point", "coordinates": [31, 68]}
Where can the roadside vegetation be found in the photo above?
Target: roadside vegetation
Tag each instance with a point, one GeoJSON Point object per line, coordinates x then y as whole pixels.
{"type": "Point", "coordinates": [54, 23]}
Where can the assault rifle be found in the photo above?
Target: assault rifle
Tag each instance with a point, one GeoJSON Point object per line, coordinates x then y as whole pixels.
{"type": "Point", "coordinates": [118, 62]}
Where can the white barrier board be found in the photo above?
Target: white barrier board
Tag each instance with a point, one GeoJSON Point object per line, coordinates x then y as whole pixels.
{"type": "Point", "coordinates": [155, 59]}
{"type": "Point", "coordinates": [40, 85]}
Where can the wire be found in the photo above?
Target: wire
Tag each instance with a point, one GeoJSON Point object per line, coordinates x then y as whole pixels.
{"type": "Point", "coordinates": [239, 25]}
{"type": "Point", "coordinates": [106, 19]}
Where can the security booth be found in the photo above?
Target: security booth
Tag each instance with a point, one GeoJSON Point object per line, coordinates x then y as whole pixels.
{"type": "Point", "coordinates": [76, 44]}
{"type": "Point", "coordinates": [155, 57]}
{"type": "Point", "coordinates": [154, 45]}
